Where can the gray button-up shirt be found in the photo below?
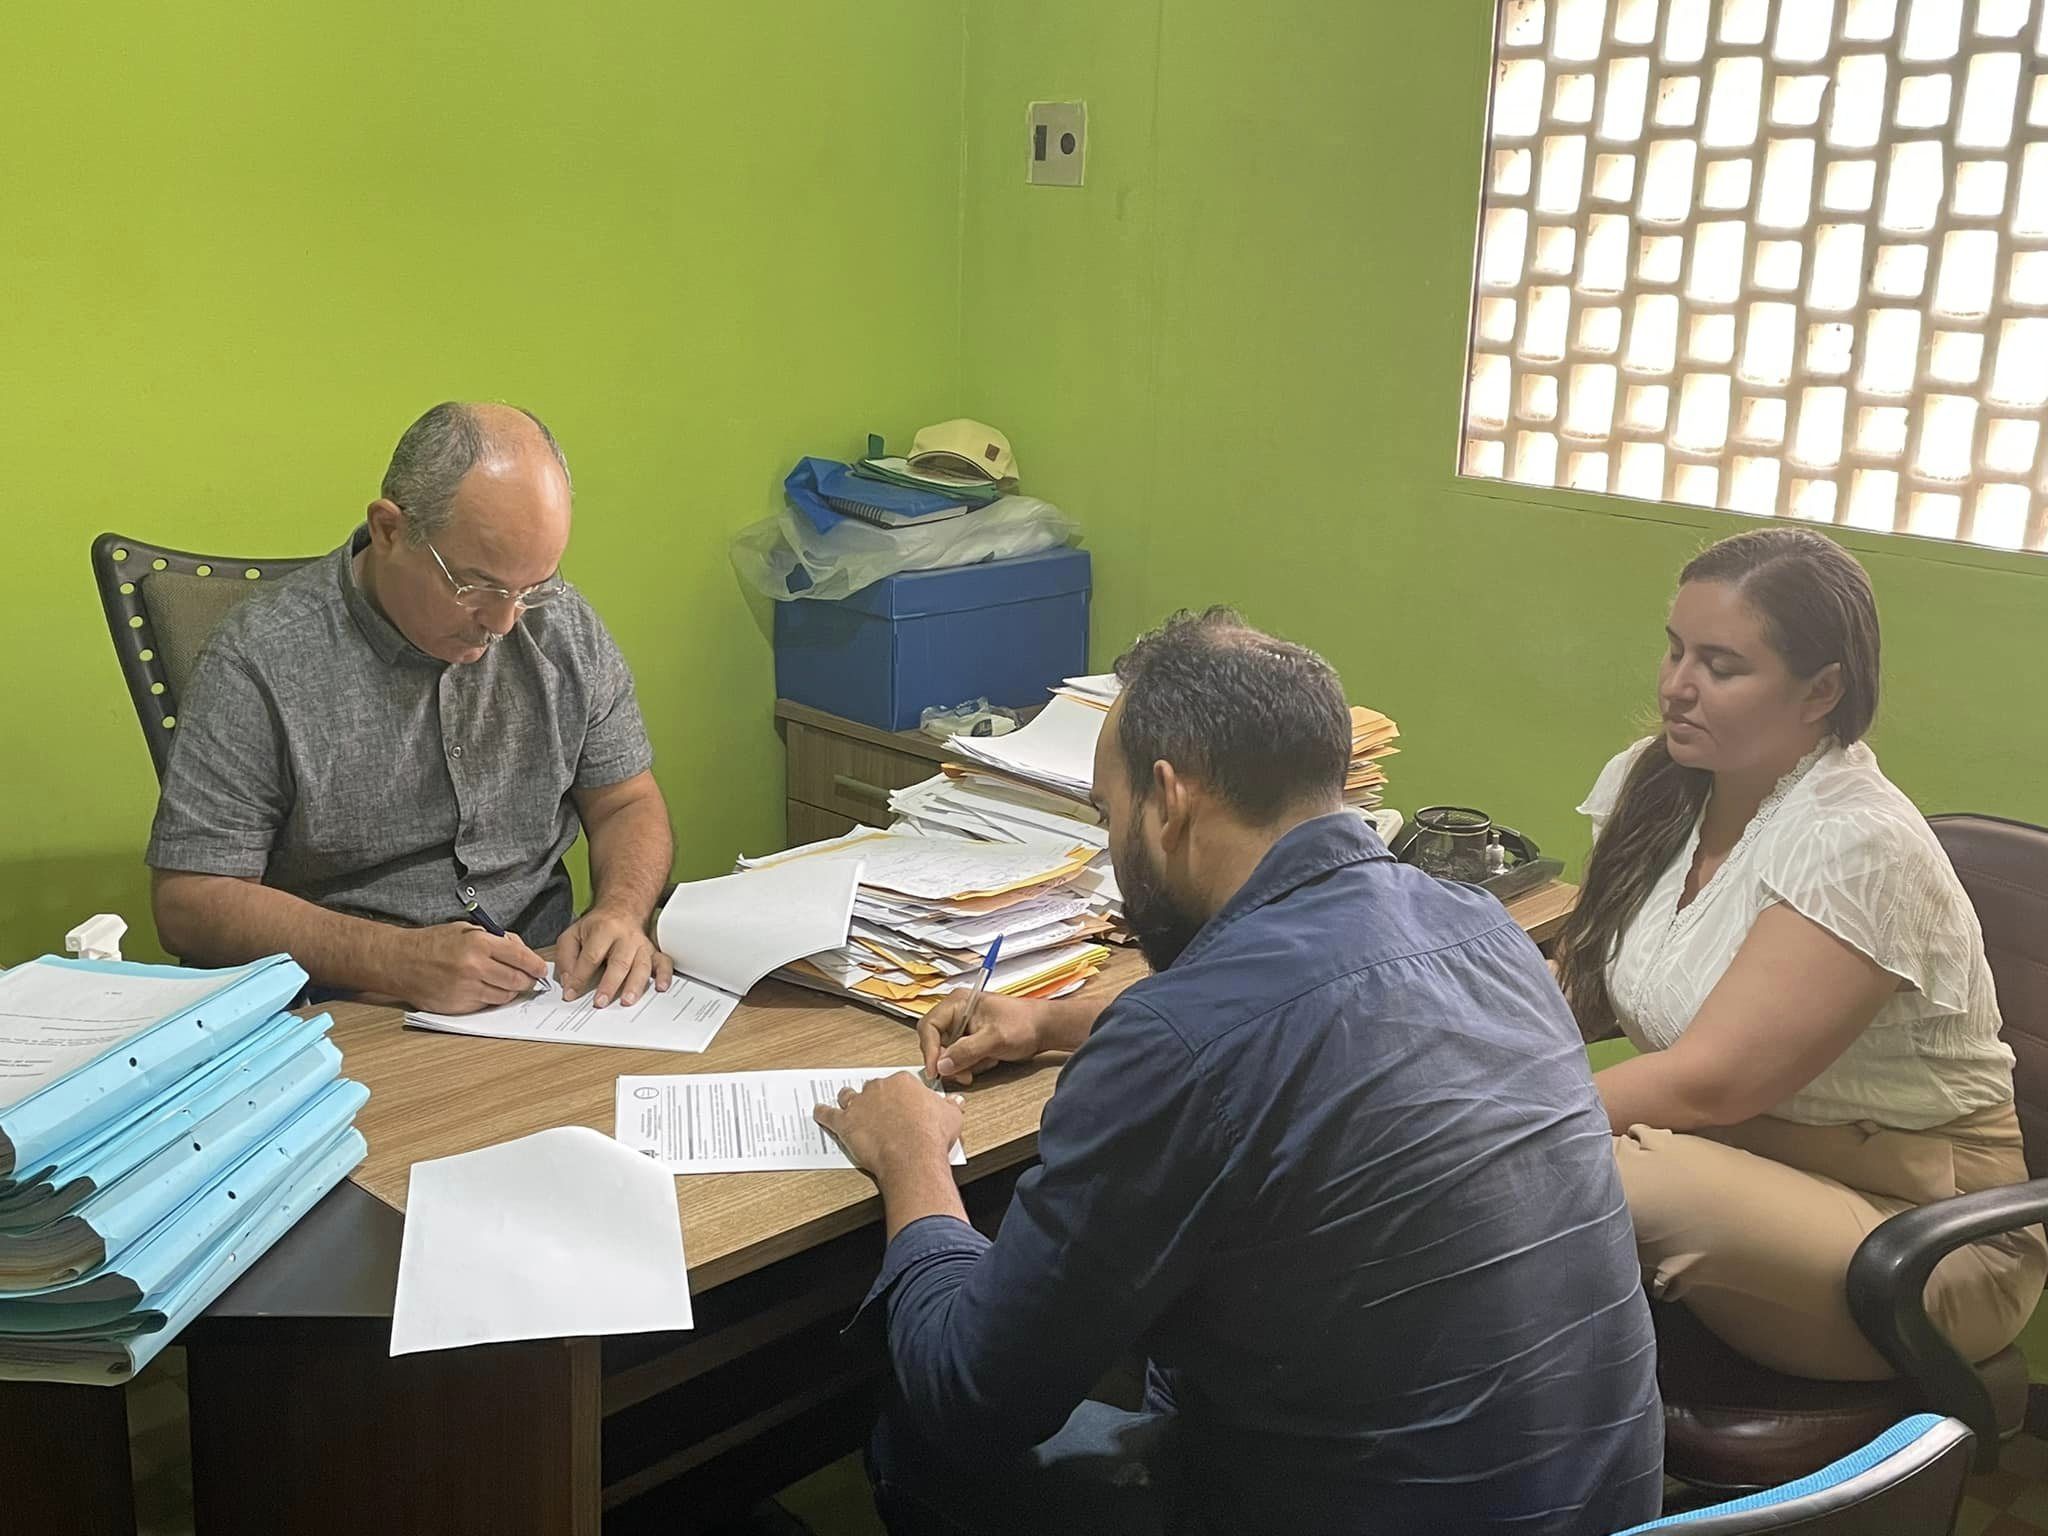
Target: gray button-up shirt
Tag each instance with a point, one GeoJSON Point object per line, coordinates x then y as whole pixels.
{"type": "Point", "coordinates": [319, 751]}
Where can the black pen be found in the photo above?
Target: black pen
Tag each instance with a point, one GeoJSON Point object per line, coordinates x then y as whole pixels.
{"type": "Point", "coordinates": [474, 911]}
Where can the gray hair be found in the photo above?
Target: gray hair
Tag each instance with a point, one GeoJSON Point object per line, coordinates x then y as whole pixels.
{"type": "Point", "coordinates": [432, 457]}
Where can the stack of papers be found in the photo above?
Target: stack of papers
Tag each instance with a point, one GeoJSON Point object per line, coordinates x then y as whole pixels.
{"type": "Point", "coordinates": [159, 1129]}
{"type": "Point", "coordinates": [724, 935]}
{"type": "Point", "coordinates": [1372, 742]}
{"type": "Point", "coordinates": [1372, 738]}
{"type": "Point", "coordinates": [1037, 781]}
{"type": "Point", "coordinates": [1100, 690]}
{"type": "Point", "coordinates": [1056, 751]}
{"type": "Point", "coordinates": [927, 908]}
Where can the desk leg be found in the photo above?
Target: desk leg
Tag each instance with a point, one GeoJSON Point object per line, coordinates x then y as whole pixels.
{"type": "Point", "coordinates": [64, 1460]}
{"type": "Point", "coordinates": [332, 1437]}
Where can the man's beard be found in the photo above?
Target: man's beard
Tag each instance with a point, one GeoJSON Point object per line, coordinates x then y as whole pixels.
{"type": "Point", "coordinates": [1162, 927]}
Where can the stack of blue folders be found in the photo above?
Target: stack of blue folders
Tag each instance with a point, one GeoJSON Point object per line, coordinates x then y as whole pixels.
{"type": "Point", "coordinates": [159, 1129]}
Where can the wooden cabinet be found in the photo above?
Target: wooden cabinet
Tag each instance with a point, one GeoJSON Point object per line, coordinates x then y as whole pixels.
{"type": "Point", "coordinates": [840, 772]}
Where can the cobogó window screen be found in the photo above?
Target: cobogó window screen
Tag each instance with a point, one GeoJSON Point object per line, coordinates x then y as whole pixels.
{"type": "Point", "coordinates": [1784, 257]}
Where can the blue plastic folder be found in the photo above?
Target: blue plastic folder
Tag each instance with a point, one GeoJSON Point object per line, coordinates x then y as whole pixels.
{"type": "Point", "coordinates": [81, 1172]}
{"type": "Point", "coordinates": [78, 1107]}
{"type": "Point", "coordinates": [160, 1128]}
{"type": "Point", "coordinates": [155, 1264]}
{"type": "Point", "coordinates": [240, 1112]}
{"type": "Point", "coordinates": [114, 1352]}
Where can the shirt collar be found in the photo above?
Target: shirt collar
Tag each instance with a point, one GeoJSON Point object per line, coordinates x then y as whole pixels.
{"type": "Point", "coordinates": [1304, 853]}
{"type": "Point", "coordinates": [385, 639]}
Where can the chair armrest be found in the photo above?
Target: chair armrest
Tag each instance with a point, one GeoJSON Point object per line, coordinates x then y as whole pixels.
{"type": "Point", "coordinates": [1887, 1287]}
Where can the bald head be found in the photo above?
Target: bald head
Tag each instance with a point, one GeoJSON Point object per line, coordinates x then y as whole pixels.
{"type": "Point", "coordinates": [440, 450]}
{"type": "Point", "coordinates": [476, 502]}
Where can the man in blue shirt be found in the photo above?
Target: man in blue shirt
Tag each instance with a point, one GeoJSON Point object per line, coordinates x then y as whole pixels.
{"type": "Point", "coordinates": [1337, 1170]}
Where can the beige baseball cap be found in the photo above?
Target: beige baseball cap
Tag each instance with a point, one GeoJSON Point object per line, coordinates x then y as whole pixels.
{"type": "Point", "coordinates": [964, 449]}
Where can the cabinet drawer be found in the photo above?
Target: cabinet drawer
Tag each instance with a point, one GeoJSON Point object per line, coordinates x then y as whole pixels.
{"type": "Point", "coordinates": [851, 778]}
{"type": "Point", "coordinates": [807, 824]}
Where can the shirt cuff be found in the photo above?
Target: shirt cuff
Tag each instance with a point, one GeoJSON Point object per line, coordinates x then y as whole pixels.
{"type": "Point", "coordinates": [601, 772]}
{"type": "Point", "coordinates": [186, 854]}
{"type": "Point", "coordinates": [925, 1245]}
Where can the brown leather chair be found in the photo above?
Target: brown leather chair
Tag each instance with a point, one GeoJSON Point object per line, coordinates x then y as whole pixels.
{"type": "Point", "coordinates": [1733, 1426]}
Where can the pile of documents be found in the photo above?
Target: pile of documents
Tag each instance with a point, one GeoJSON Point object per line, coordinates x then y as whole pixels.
{"type": "Point", "coordinates": [927, 908]}
{"type": "Point", "coordinates": [1030, 786]}
{"type": "Point", "coordinates": [1056, 752]}
{"type": "Point", "coordinates": [1037, 780]}
{"type": "Point", "coordinates": [159, 1129]}
{"type": "Point", "coordinates": [1372, 742]}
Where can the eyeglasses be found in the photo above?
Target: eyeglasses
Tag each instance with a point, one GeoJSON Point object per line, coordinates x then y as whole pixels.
{"type": "Point", "coordinates": [476, 596]}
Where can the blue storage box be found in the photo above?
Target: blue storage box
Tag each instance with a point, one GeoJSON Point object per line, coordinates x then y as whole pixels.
{"type": "Point", "coordinates": [1004, 630]}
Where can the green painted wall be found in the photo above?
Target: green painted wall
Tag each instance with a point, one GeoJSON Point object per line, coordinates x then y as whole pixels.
{"type": "Point", "coordinates": [245, 244]}
{"type": "Point", "coordinates": [1236, 356]}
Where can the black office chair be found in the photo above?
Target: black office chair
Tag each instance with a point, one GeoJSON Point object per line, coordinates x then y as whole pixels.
{"type": "Point", "coordinates": [161, 604]}
{"type": "Point", "coordinates": [1731, 1425]}
{"type": "Point", "coordinates": [1907, 1482]}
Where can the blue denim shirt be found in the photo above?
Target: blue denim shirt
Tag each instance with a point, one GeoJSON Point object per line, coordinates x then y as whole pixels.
{"type": "Point", "coordinates": [1341, 1174]}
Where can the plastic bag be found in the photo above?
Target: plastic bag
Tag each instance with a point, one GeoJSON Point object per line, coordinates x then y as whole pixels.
{"type": "Point", "coordinates": [975, 717]}
{"type": "Point", "coordinates": [786, 558]}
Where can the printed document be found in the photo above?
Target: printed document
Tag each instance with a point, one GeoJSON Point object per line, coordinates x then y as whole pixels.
{"type": "Point", "coordinates": [740, 1122]}
{"type": "Point", "coordinates": [723, 935]}
{"type": "Point", "coordinates": [56, 1018]}
{"type": "Point", "coordinates": [684, 1018]}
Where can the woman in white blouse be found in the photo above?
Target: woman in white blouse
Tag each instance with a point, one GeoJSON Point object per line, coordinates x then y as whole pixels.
{"type": "Point", "coordinates": [1774, 926]}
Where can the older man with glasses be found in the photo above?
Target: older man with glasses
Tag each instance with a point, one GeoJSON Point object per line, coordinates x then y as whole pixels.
{"type": "Point", "coordinates": [382, 760]}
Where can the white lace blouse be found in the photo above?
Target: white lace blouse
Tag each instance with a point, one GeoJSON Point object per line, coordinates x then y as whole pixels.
{"type": "Point", "coordinates": [1841, 845]}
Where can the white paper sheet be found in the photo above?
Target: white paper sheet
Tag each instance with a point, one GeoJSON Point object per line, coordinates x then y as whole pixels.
{"type": "Point", "coordinates": [562, 1234]}
{"type": "Point", "coordinates": [1104, 686]}
{"type": "Point", "coordinates": [988, 809]}
{"type": "Point", "coordinates": [1056, 749]}
{"type": "Point", "coordinates": [684, 1018]}
{"type": "Point", "coordinates": [56, 1018]}
{"type": "Point", "coordinates": [739, 1122]}
{"type": "Point", "coordinates": [732, 931]}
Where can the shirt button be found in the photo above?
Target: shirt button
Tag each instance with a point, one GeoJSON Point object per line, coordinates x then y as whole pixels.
{"type": "Point", "coordinates": [456, 750]}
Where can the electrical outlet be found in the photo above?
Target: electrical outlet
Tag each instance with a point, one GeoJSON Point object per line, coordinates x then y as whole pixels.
{"type": "Point", "coordinates": [1057, 143]}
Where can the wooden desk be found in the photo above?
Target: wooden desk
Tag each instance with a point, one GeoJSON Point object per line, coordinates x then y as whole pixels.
{"type": "Point", "coordinates": [434, 1095]}
{"type": "Point", "coordinates": [301, 1421]}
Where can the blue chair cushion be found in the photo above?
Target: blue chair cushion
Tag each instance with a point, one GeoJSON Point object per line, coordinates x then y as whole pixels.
{"type": "Point", "coordinates": [1857, 1462]}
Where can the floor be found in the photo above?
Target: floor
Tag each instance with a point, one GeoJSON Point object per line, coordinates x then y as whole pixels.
{"type": "Point", "coordinates": [2012, 1501]}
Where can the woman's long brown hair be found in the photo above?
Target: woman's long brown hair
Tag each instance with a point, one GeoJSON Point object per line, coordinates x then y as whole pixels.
{"type": "Point", "coordinates": [1817, 610]}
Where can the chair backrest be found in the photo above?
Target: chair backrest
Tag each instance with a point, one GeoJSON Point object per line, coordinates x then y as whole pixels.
{"type": "Point", "coordinates": [1907, 1482]}
{"type": "Point", "coordinates": [161, 604]}
{"type": "Point", "coordinates": [2004, 867]}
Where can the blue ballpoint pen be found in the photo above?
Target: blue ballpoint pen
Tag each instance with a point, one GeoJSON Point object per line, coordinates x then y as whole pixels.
{"type": "Point", "coordinates": [988, 968]}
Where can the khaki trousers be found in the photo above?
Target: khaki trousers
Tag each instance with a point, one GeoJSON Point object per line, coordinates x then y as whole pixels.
{"type": "Point", "coordinates": [1752, 1227]}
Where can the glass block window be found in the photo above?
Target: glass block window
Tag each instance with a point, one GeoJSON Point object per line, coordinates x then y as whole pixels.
{"type": "Point", "coordinates": [1784, 257]}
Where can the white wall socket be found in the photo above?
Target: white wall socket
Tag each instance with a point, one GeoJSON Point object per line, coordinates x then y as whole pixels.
{"type": "Point", "coordinates": [1056, 143]}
